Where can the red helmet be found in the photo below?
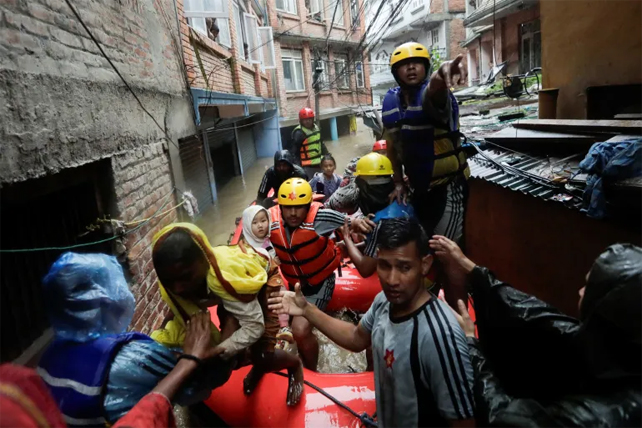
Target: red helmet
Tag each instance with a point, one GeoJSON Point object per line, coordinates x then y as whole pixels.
{"type": "Point", "coordinates": [380, 145]}
{"type": "Point", "coordinates": [306, 113]}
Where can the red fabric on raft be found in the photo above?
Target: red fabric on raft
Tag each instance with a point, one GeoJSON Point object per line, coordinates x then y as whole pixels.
{"type": "Point", "coordinates": [153, 410]}
{"type": "Point", "coordinates": [25, 402]}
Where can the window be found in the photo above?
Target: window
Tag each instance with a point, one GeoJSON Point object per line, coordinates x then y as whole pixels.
{"type": "Point", "coordinates": [359, 74]}
{"type": "Point", "coordinates": [341, 71]}
{"type": "Point", "coordinates": [315, 9]}
{"type": "Point", "coordinates": [286, 6]}
{"type": "Point", "coordinates": [196, 12]}
{"type": "Point", "coordinates": [292, 70]}
{"type": "Point", "coordinates": [323, 77]}
{"type": "Point", "coordinates": [416, 4]}
{"type": "Point", "coordinates": [266, 42]}
{"type": "Point", "coordinates": [435, 36]}
{"type": "Point", "coordinates": [240, 32]}
{"type": "Point", "coordinates": [224, 37]}
{"type": "Point", "coordinates": [253, 45]}
{"type": "Point", "coordinates": [355, 12]}
{"type": "Point", "coordinates": [338, 16]}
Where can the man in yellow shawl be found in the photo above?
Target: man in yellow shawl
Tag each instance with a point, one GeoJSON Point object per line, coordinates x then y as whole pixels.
{"type": "Point", "coordinates": [193, 276]}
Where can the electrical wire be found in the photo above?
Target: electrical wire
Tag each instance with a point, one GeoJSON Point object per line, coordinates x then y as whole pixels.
{"type": "Point", "coordinates": [102, 241]}
{"type": "Point", "coordinates": [113, 66]}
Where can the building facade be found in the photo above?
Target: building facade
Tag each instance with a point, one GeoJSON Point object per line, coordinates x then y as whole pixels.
{"type": "Point", "coordinates": [78, 145]}
{"type": "Point", "coordinates": [436, 24]}
{"type": "Point", "coordinates": [325, 35]}
{"type": "Point", "coordinates": [228, 53]}
{"type": "Point", "coordinates": [502, 31]}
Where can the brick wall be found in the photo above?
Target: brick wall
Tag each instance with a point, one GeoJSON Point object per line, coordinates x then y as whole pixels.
{"type": "Point", "coordinates": [47, 59]}
{"type": "Point", "coordinates": [247, 78]}
{"type": "Point", "coordinates": [510, 36]}
{"type": "Point", "coordinates": [297, 24]}
{"type": "Point", "coordinates": [63, 106]}
{"type": "Point", "coordinates": [457, 5]}
{"type": "Point", "coordinates": [142, 181]}
{"type": "Point", "coordinates": [437, 6]}
{"type": "Point", "coordinates": [225, 71]}
{"type": "Point", "coordinates": [456, 37]}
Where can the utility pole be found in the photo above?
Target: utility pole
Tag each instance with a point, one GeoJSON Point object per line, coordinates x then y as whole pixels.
{"type": "Point", "coordinates": [317, 87]}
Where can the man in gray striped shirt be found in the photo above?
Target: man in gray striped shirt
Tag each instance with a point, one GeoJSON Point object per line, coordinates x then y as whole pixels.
{"type": "Point", "coordinates": [423, 374]}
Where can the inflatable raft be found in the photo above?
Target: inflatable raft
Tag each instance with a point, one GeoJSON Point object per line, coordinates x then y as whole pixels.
{"type": "Point", "coordinates": [354, 392]}
{"type": "Point", "coordinates": [266, 407]}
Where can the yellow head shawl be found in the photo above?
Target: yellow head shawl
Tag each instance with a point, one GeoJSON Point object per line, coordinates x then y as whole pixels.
{"type": "Point", "coordinates": [234, 274]}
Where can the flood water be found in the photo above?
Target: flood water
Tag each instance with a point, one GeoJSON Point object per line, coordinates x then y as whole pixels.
{"type": "Point", "coordinates": [218, 223]}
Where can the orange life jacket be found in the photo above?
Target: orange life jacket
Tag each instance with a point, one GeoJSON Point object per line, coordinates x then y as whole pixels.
{"type": "Point", "coordinates": [308, 257]}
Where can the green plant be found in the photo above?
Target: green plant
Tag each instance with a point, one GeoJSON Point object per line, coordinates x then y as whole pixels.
{"type": "Point", "coordinates": [435, 59]}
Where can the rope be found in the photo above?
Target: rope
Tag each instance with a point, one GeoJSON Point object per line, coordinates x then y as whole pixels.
{"type": "Point", "coordinates": [167, 199]}
{"type": "Point", "coordinates": [365, 419]}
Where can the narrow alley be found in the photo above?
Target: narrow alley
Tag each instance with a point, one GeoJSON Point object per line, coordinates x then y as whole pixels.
{"type": "Point", "coordinates": [218, 221]}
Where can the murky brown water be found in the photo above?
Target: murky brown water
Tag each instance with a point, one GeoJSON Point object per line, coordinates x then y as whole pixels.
{"type": "Point", "coordinates": [235, 196]}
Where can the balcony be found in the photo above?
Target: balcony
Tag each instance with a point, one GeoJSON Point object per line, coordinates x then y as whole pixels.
{"type": "Point", "coordinates": [491, 10]}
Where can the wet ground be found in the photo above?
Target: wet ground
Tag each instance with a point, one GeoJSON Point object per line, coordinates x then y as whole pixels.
{"type": "Point", "coordinates": [219, 223]}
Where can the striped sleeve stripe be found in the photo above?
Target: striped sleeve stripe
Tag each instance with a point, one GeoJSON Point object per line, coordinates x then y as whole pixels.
{"type": "Point", "coordinates": [460, 361]}
{"type": "Point", "coordinates": [442, 361]}
{"type": "Point", "coordinates": [371, 247]}
{"type": "Point", "coordinates": [330, 216]}
{"type": "Point", "coordinates": [455, 361]}
{"type": "Point", "coordinates": [263, 186]}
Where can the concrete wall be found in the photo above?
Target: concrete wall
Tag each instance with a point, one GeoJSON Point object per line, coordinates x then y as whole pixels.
{"type": "Point", "coordinates": [589, 43]}
{"type": "Point", "coordinates": [58, 93]}
{"type": "Point", "coordinates": [63, 106]}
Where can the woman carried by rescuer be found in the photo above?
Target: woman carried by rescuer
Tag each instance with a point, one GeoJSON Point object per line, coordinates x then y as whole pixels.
{"type": "Point", "coordinates": [276, 349]}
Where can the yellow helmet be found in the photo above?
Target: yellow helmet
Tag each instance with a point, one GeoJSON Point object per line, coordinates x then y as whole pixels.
{"type": "Point", "coordinates": [295, 191]}
{"type": "Point", "coordinates": [409, 50]}
{"type": "Point", "coordinates": [373, 164]}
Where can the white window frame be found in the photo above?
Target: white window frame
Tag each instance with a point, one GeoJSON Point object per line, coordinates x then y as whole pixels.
{"type": "Point", "coordinates": [358, 69]}
{"type": "Point", "coordinates": [266, 43]}
{"type": "Point", "coordinates": [196, 11]}
{"type": "Point", "coordinates": [416, 4]}
{"type": "Point", "coordinates": [224, 33]}
{"type": "Point", "coordinates": [240, 30]}
{"type": "Point", "coordinates": [434, 32]}
{"type": "Point", "coordinates": [292, 57]}
{"type": "Point", "coordinates": [339, 19]}
{"type": "Point", "coordinates": [354, 20]}
{"type": "Point", "coordinates": [289, 6]}
{"type": "Point", "coordinates": [316, 7]}
{"type": "Point", "coordinates": [343, 78]}
{"type": "Point", "coordinates": [253, 42]}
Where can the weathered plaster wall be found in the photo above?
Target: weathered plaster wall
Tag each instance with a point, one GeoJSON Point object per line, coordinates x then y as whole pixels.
{"type": "Point", "coordinates": [61, 103]}
{"type": "Point", "coordinates": [589, 43]}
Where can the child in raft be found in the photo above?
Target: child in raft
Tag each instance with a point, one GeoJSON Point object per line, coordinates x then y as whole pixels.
{"type": "Point", "coordinates": [276, 350]}
{"type": "Point", "coordinates": [326, 182]}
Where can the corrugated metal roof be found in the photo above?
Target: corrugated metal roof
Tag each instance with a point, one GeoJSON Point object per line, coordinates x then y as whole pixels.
{"type": "Point", "coordinates": [527, 174]}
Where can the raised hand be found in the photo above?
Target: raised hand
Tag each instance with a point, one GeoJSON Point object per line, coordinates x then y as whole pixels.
{"type": "Point", "coordinates": [453, 72]}
{"type": "Point", "coordinates": [400, 194]}
{"type": "Point", "coordinates": [288, 302]}
{"type": "Point", "coordinates": [198, 337]}
{"type": "Point", "coordinates": [463, 318]}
